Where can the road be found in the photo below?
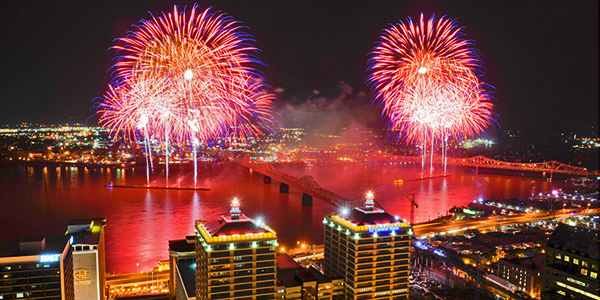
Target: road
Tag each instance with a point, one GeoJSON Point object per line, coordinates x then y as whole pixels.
{"type": "Point", "coordinates": [451, 227]}
{"type": "Point", "coordinates": [144, 278]}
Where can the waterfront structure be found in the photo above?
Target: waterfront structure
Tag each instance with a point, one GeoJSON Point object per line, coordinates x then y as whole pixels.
{"type": "Point", "coordinates": [524, 274]}
{"type": "Point", "coordinates": [89, 264]}
{"type": "Point", "coordinates": [297, 282]}
{"type": "Point", "coordinates": [37, 268]}
{"type": "Point", "coordinates": [571, 270]}
{"type": "Point", "coordinates": [182, 264]}
{"type": "Point", "coordinates": [235, 258]}
{"type": "Point", "coordinates": [370, 250]}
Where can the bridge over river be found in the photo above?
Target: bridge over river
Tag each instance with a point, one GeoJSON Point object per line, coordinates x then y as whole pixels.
{"type": "Point", "coordinates": [550, 167]}
{"type": "Point", "coordinates": [311, 188]}
{"type": "Point", "coordinates": [306, 184]}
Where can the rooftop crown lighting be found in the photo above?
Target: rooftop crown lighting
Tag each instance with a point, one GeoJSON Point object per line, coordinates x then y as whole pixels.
{"type": "Point", "coordinates": [370, 203]}
{"type": "Point", "coordinates": [235, 209]}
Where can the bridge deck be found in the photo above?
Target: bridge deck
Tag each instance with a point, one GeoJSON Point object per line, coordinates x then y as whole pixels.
{"type": "Point", "coordinates": [306, 184]}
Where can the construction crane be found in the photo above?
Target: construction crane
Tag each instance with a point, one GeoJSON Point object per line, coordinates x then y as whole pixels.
{"type": "Point", "coordinates": [413, 203]}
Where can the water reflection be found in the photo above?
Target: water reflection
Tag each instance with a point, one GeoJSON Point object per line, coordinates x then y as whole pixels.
{"type": "Point", "coordinates": [141, 222]}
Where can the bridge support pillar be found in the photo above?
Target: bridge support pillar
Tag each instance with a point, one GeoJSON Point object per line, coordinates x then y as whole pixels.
{"type": "Point", "coordinates": [307, 199]}
{"type": "Point", "coordinates": [284, 188]}
{"type": "Point", "coordinates": [477, 170]}
{"type": "Point", "coordinates": [267, 179]}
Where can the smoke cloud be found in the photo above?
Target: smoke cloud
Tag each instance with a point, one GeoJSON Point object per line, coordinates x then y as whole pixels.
{"type": "Point", "coordinates": [329, 115]}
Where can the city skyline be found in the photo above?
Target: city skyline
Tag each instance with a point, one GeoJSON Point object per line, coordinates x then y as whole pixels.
{"type": "Point", "coordinates": [58, 61]}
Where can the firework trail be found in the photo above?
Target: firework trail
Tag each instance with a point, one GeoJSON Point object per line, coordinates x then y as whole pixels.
{"type": "Point", "coordinates": [188, 80]}
{"type": "Point", "coordinates": [426, 78]}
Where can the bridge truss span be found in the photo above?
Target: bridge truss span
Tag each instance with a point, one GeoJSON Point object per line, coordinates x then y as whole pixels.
{"type": "Point", "coordinates": [306, 184]}
{"type": "Point", "coordinates": [551, 167]}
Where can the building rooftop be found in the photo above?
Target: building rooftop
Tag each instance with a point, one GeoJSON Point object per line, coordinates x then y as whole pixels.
{"type": "Point", "coordinates": [369, 214]}
{"type": "Point", "coordinates": [235, 227]}
{"type": "Point", "coordinates": [86, 231]}
{"type": "Point", "coordinates": [286, 262]}
{"type": "Point", "coordinates": [33, 246]}
{"type": "Point", "coordinates": [241, 226]}
{"type": "Point", "coordinates": [370, 218]}
{"type": "Point", "coordinates": [578, 240]}
{"type": "Point", "coordinates": [186, 245]}
{"type": "Point", "coordinates": [533, 263]}
{"type": "Point", "coordinates": [290, 273]}
{"type": "Point", "coordinates": [361, 217]}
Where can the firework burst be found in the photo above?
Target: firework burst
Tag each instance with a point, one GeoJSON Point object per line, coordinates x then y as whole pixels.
{"type": "Point", "coordinates": [427, 81]}
{"type": "Point", "coordinates": [187, 78]}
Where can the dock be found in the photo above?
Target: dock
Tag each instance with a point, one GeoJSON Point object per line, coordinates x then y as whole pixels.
{"type": "Point", "coordinates": [158, 187]}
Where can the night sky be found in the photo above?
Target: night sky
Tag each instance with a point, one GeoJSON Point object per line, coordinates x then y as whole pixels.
{"type": "Point", "coordinates": [542, 56]}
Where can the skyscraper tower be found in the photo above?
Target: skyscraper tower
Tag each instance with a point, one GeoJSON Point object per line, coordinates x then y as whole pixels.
{"type": "Point", "coordinates": [370, 249]}
{"type": "Point", "coordinates": [235, 258]}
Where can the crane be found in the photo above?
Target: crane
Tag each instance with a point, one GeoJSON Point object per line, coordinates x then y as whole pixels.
{"type": "Point", "coordinates": [413, 203]}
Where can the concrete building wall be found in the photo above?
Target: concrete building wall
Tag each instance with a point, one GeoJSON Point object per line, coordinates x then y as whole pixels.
{"type": "Point", "coordinates": [85, 275]}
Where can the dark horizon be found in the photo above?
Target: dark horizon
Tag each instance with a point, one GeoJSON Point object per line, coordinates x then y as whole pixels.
{"type": "Point", "coordinates": [542, 60]}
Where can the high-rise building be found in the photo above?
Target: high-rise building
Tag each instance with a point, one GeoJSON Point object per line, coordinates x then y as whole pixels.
{"type": "Point", "coordinates": [571, 270]}
{"type": "Point", "coordinates": [89, 265]}
{"type": "Point", "coordinates": [36, 268]}
{"type": "Point", "coordinates": [370, 250]}
{"type": "Point", "coordinates": [182, 268]}
{"type": "Point", "coordinates": [235, 258]}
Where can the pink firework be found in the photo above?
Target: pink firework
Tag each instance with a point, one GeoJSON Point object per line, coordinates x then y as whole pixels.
{"type": "Point", "coordinates": [187, 77]}
{"type": "Point", "coordinates": [425, 78]}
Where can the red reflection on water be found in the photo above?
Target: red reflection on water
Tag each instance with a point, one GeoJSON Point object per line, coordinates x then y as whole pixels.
{"type": "Point", "coordinates": [141, 222]}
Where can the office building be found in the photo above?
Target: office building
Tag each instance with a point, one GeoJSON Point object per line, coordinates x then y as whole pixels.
{"type": "Point", "coordinates": [571, 270]}
{"type": "Point", "coordinates": [297, 282]}
{"type": "Point", "coordinates": [235, 258]}
{"type": "Point", "coordinates": [182, 264]}
{"type": "Point", "coordinates": [523, 273]}
{"type": "Point", "coordinates": [370, 250]}
{"type": "Point", "coordinates": [36, 268]}
{"type": "Point", "coordinates": [89, 265]}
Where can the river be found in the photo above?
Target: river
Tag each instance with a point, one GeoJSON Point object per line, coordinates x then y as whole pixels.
{"type": "Point", "coordinates": [39, 201]}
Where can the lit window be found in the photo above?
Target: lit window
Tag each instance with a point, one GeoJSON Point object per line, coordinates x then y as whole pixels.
{"type": "Point", "coordinates": [561, 292]}
{"type": "Point", "coordinates": [558, 256]}
{"type": "Point", "coordinates": [584, 263]}
{"type": "Point", "coordinates": [566, 258]}
{"type": "Point", "coordinates": [575, 261]}
{"type": "Point", "coordinates": [593, 274]}
{"type": "Point", "coordinates": [584, 272]}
